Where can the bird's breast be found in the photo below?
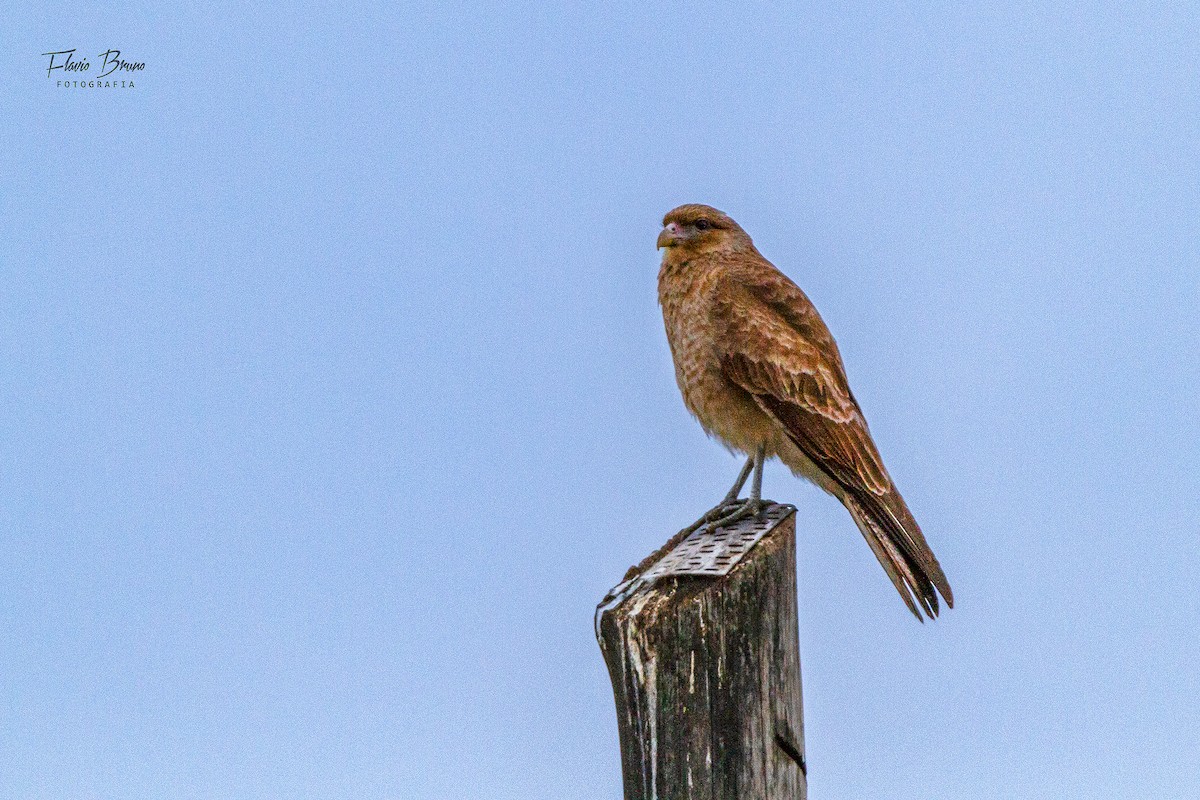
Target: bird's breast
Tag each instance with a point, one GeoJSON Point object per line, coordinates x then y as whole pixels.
{"type": "Point", "coordinates": [724, 409]}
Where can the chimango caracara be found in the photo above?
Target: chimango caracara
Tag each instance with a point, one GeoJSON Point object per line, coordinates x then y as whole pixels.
{"type": "Point", "coordinates": [761, 372]}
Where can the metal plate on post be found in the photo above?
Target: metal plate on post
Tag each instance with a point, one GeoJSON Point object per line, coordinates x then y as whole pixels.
{"type": "Point", "coordinates": [714, 553]}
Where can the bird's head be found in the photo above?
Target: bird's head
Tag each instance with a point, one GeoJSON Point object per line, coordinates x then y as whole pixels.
{"type": "Point", "coordinates": [693, 229]}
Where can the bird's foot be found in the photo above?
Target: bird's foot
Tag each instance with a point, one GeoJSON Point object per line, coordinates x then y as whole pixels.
{"type": "Point", "coordinates": [736, 512]}
{"type": "Point", "coordinates": [721, 509]}
{"type": "Point", "coordinates": [727, 512]}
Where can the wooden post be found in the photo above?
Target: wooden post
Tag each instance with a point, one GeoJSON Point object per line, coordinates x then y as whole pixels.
{"type": "Point", "coordinates": [702, 647]}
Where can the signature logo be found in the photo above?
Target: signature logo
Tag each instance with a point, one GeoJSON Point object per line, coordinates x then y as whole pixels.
{"type": "Point", "coordinates": [114, 71]}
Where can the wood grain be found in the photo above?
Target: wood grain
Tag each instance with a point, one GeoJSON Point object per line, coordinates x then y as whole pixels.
{"type": "Point", "coordinates": [706, 678]}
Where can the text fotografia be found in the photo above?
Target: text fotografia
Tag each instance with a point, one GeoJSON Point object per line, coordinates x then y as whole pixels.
{"type": "Point", "coordinates": [113, 72]}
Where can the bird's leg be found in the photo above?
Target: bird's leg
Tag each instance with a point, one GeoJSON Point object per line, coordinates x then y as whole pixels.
{"type": "Point", "coordinates": [751, 507]}
{"type": "Point", "coordinates": [760, 461]}
{"type": "Point", "coordinates": [730, 502]}
{"type": "Point", "coordinates": [732, 496]}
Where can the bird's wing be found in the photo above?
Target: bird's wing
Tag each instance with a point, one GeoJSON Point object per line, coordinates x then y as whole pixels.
{"type": "Point", "coordinates": [774, 345]}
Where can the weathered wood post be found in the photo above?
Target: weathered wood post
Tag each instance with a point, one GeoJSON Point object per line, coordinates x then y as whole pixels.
{"type": "Point", "coordinates": [702, 647]}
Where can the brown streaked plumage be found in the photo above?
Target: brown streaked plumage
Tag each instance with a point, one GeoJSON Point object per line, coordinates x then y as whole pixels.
{"type": "Point", "coordinates": [761, 372]}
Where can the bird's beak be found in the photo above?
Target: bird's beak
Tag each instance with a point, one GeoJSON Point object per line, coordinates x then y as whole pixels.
{"type": "Point", "coordinates": [670, 236]}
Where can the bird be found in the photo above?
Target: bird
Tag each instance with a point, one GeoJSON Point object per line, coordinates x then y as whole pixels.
{"type": "Point", "coordinates": [760, 371]}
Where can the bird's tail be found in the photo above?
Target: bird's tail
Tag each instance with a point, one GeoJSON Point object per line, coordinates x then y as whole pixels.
{"type": "Point", "coordinates": [898, 543]}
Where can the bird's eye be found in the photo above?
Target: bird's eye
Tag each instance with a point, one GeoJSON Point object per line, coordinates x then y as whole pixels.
{"type": "Point", "coordinates": [703, 224]}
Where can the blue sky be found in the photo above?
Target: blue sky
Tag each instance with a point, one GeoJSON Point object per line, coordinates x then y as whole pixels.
{"type": "Point", "coordinates": [336, 395]}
